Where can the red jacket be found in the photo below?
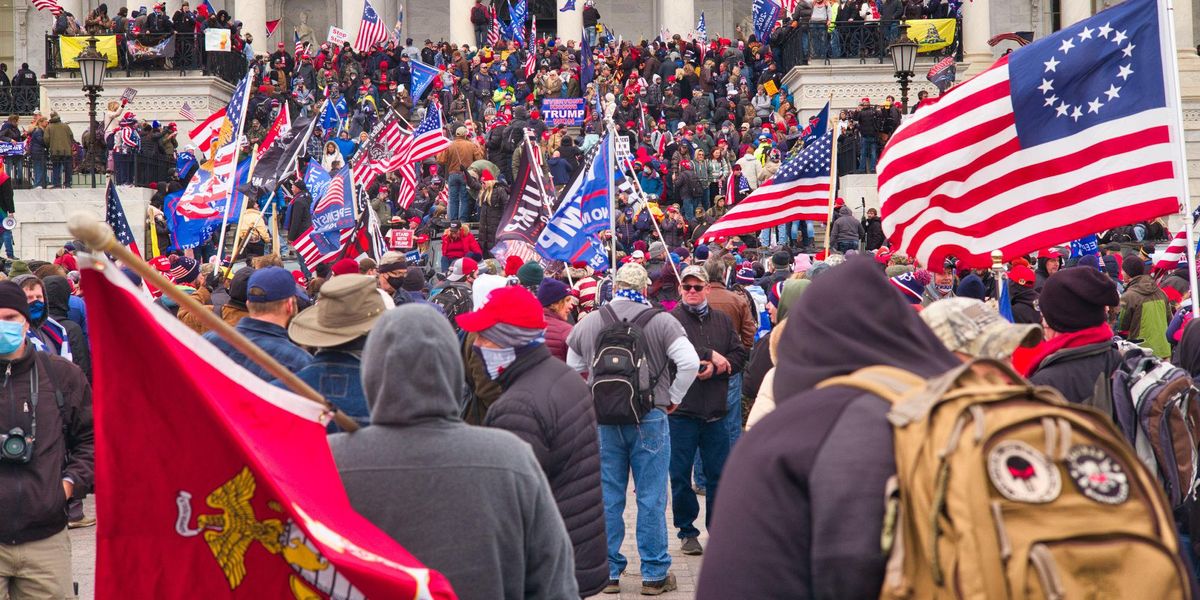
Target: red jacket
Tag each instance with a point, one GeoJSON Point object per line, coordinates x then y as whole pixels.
{"type": "Point", "coordinates": [557, 331]}
{"type": "Point", "coordinates": [464, 245]}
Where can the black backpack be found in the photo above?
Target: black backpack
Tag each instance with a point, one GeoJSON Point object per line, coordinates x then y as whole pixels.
{"type": "Point", "coordinates": [454, 301]}
{"type": "Point", "coordinates": [622, 387]}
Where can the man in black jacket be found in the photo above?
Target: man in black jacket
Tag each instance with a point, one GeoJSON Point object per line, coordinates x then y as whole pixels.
{"type": "Point", "coordinates": [50, 395]}
{"type": "Point", "coordinates": [869, 121]}
{"type": "Point", "coordinates": [548, 405]}
{"type": "Point", "coordinates": [698, 422]}
{"type": "Point", "coordinates": [802, 506]}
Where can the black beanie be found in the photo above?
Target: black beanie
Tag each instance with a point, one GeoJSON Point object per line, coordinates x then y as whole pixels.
{"type": "Point", "coordinates": [12, 296]}
{"type": "Point", "coordinates": [1074, 299]}
{"type": "Point", "coordinates": [1133, 265]}
{"type": "Point", "coordinates": [414, 280]}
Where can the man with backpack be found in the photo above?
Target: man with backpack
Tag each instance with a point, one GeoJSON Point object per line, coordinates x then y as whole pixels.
{"type": "Point", "coordinates": [890, 471]}
{"type": "Point", "coordinates": [480, 20]}
{"type": "Point", "coordinates": [625, 348]}
{"type": "Point", "coordinates": [455, 296]}
{"type": "Point", "coordinates": [699, 422]}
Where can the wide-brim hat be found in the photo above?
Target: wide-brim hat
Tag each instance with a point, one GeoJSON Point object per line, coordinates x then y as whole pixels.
{"type": "Point", "coordinates": [348, 309]}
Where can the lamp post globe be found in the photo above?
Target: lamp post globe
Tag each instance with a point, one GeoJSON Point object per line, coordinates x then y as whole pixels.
{"type": "Point", "coordinates": [904, 60]}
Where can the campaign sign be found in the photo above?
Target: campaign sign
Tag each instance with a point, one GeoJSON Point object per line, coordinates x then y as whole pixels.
{"type": "Point", "coordinates": [400, 238]}
{"type": "Point", "coordinates": [564, 111]}
{"type": "Point", "coordinates": [128, 95]}
{"type": "Point", "coordinates": [337, 36]}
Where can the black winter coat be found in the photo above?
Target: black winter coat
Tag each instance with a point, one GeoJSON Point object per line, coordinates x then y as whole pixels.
{"type": "Point", "coordinates": [708, 399]}
{"type": "Point", "coordinates": [1074, 371]}
{"type": "Point", "coordinates": [1024, 305]}
{"type": "Point", "coordinates": [547, 404]}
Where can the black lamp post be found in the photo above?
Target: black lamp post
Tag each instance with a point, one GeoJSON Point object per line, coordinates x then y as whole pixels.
{"type": "Point", "coordinates": [92, 68]}
{"type": "Point", "coordinates": [904, 59]}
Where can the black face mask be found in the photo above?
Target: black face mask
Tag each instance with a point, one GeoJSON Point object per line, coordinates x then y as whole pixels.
{"type": "Point", "coordinates": [396, 282]}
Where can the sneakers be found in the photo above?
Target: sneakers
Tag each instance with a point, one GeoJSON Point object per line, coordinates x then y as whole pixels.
{"type": "Point", "coordinates": [613, 587]}
{"type": "Point", "coordinates": [84, 522]}
{"type": "Point", "coordinates": [662, 586]}
{"type": "Point", "coordinates": [691, 547]}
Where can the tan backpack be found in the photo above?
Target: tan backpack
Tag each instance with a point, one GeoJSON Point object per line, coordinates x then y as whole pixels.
{"type": "Point", "coordinates": [1004, 490]}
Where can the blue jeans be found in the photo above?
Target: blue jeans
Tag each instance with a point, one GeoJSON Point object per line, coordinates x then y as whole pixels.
{"type": "Point", "coordinates": [712, 439]}
{"type": "Point", "coordinates": [7, 239]}
{"type": "Point", "coordinates": [733, 424]}
{"type": "Point", "coordinates": [60, 171]}
{"type": "Point", "coordinates": [646, 449]}
{"type": "Point", "coordinates": [458, 209]}
{"type": "Point", "coordinates": [844, 245]}
{"type": "Point", "coordinates": [592, 36]}
{"type": "Point", "coordinates": [869, 153]}
{"type": "Point", "coordinates": [39, 171]}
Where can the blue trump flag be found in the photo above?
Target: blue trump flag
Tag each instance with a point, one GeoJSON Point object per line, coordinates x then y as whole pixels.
{"type": "Point", "coordinates": [422, 76]}
{"type": "Point", "coordinates": [1005, 301]}
{"type": "Point", "coordinates": [765, 13]}
{"type": "Point", "coordinates": [587, 64]}
{"type": "Point", "coordinates": [570, 235]}
{"type": "Point", "coordinates": [191, 232]}
{"type": "Point", "coordinates": [568, 5]}
{"type": "Point", "coordinates": [332, 114]}
{"type": "Point", "coordinates": [330, 211]}
{"type": "Point", "coordinates": [815, 129]}
{"type": "Point", "coordinates": [1085, 246]}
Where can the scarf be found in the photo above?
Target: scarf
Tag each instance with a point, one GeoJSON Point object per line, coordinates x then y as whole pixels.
{"type": "Point", "coordinates": [1027, 360]}
{"type": "Point", "coordinates": [631, 295]}
{"type": "Point", "coordinates": [700, 311]}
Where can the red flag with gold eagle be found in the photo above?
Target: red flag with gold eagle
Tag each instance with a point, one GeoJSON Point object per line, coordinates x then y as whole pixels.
{"type": "Point", "coordinates": [211, 483]}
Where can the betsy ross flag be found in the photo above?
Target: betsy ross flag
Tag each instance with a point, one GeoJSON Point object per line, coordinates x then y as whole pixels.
{"type": "Point", "coordinates": [799, 191]}
{"type": "Point", "coordinates": [186, 112]}
{"type": "Point", "coordinates": [114, 215]}
{"type": "Point", "coordinates": [250, 505]}
{"type": "Point", "coordinates": [1075, 133]}
{"type": "Point", "coordinates": [371, 30]}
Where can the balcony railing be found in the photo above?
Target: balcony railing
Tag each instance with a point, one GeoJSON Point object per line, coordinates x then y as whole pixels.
{"type": "Point", "coordinates": [18, 99]}
{"type": "Point", "coordinates": [189, 55]}
{"type": "Point", "coordinates": [862, 40]}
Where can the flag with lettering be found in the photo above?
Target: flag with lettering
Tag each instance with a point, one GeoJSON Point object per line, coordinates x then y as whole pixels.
{"type": "Point", "coordinates": [527, 211]}
{"type": "Point", "coordinates": [570, 234]}
{"type": "Point", "coordinates": [247, 503]}
{"type": "Point", "coordinates": [330, 210]}
{"type": "Point", "coordinates": [422, 76]}
{"type": "Point", "coordinates": [764, 14]}
{"type": "Point", "coordinates": [1071, 135]}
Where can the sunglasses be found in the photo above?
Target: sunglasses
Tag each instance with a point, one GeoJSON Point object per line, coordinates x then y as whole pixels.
{"type": "Point", "coordinates": [692, 288]}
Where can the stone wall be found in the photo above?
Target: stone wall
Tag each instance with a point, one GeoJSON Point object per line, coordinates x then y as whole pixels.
{"type": "Point", "coordinates": [42, 216]}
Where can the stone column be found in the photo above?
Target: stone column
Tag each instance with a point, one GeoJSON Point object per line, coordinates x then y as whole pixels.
{"type": "Point", "coordinates": [1189, 63]}
{"type": "Point", "coordinates": [1074, 11]}
{"type": "Point", "coordinates": [352, 11]}
{"type": "Point", "coordinates": [253, 15]}
{"type": "Point", "coordinates": [977, 30]}
{"type": "Point", "coordinates": [74, 7]}
{"type": "Point", "coordinates": [570, 23]}
{"type": "Point", "coordinates": [461, 31]}
{"type": "Point", "coordinates": [678, 16]}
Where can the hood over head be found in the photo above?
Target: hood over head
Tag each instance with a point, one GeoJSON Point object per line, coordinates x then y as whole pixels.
{"type": "Point", "coordinates": [792, 290]}
{"type": "Point", "coordinates": [861, 321]}
{"type": "Point", "coordinates": [412, 371]}
{"type": "Point", "coordinates": [58, 295]}
{"type": "Point", "coordinates": [1187, 355]}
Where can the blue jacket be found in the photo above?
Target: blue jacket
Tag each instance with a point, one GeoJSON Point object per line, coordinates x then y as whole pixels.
{"type": "Point", "coordinates": [560, 170]}
{"type": "Point", "coordinates": [651, 184]}
{"type": "Point", "coordinates": [271, 338]}
{"type": "Point", "coordinates": [77, 311]}
{"type": "Point", "coordinates": [337, 376]}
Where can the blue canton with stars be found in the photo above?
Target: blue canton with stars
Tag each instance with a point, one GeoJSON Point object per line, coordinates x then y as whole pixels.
{"type": "Point", "coordinates": [1098, 70]}
{"type": "Point", "coordinates": [813, 161]}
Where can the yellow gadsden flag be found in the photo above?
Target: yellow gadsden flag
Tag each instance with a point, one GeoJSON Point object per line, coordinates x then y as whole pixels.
{"type": "Point", "coordinates": [931, 34]}
{"type": "Point", "coordinates": [70, 47]}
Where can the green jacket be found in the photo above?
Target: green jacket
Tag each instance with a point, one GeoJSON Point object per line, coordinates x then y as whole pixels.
{"type": "Point", "coordinates": [59, 137]}
{"type": "Point", "coordinates": [1144, 315]}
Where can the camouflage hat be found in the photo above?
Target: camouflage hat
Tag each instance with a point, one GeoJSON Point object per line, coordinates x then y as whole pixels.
{"type": "Point", "coordinates": [971, 327]}
{"type": "Point", "coordinates": [632, 276]}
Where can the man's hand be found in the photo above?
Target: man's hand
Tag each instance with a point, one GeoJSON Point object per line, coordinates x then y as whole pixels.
{"type": "Point", "coordinates": [720, 362]}
{"type": "Point", "coordinates": [68, 488]}
{"type": "Point", "coordinates": [706, 370]}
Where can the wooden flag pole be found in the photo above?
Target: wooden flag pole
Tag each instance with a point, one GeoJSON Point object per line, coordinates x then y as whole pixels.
{"type": "Point", "coordinates": [833, 174]}
{"type": "Point", "coordinates": [241, 214]}
{"type": "Point", "coordinates": [99, 238]}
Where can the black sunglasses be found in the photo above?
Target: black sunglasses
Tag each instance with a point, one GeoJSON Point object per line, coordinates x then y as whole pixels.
{"type": "Point", "coordinates": [692, 288]}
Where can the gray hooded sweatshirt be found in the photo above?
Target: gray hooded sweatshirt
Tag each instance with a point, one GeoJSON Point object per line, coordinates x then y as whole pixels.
{"type": "Point", "coordinates": [469, 502]}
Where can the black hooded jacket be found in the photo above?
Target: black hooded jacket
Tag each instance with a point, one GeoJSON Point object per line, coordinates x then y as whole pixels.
{"type": "Point", "coordinates": [58, 295]}
{"type": "Point", "coordinates": [802, 506]}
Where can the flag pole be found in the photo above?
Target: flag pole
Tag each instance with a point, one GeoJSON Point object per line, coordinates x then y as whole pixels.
{"type": "Point", "coordinates": [833, 173]}
{"type": "Point", "coordinates": [653, 222]}
{"type": "Point", "coordinates": [99, 237]}
{"type": "Point", "coordinates": [241, 213]}
{"type": "Point", "coordinates": [610, 170]}
{"type": "Point", "coordinates": [1174, 94]}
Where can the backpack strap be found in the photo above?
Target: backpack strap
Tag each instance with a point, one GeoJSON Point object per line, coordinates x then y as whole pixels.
{"type": "Point", "coordinates": [889, 383]}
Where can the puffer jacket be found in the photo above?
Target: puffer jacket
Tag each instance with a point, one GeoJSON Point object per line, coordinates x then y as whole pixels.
{"type": "Point", "coordinates": [1144, 315]}
{"type": "Point", "coordinates": [547, 404]}
{"type": "Point", "coordinates": [557, 331]}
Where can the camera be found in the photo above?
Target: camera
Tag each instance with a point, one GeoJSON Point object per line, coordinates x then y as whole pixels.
{"type": "Point", "coordinates": [15, 446]}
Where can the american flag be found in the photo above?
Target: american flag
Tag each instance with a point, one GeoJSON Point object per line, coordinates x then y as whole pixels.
{"type": "Point", "coordinates": [427, 139]}
{"type": "Point", "coordinates": [50, 5]}
{"type": "Point", "coordinates": [408, 186]}
{"type": "Point", "coordinates": [371, 30]}
{"type": "Point", "coordinates": [114, 215]}
{"type": "Point", "coordinates": [1175, 253]}
{"type": "Point", "coordinates": [531, 63]}
{"type": "Point", "coordinates": [186, 112]}
{"type": "Point", "coordinates": [702, 30]}
{"type": "Point", "coordinates": [799, 191]}
{"type": "Point", "coordinates": [311, 254]}
{"type": "Point", "coordinates": [202, 135]}
{"type": "Point", "coordinates": [532, 32]}
{"type": "Point", "coordinates": [494, 33]}
{"type": "Point", "coordinates": [1069, 136]}
{"type": "Point", "coordinates": [299, 45]}
{"type": "Point", "coordinates": [335, 194]}
{"type": "Point", "coordinates": [377, 156]}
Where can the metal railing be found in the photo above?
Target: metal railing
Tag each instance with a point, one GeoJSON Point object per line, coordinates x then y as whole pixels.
{"type": "Point", "coordinates": [862, 40]}
{"type": "Point", "coordinates": [82, 169]}
{"type": "Point", "coordinates": [18, 99]}
{"type": "Point", "coordinates": [188, 55]}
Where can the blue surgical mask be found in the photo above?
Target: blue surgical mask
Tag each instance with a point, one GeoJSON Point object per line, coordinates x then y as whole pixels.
{"type": "Point", "coordinates": [37, 310]}
{"type": "Point", "coordinates": [496, 359]}
{"type": "Point", "coordinates": [12, 335]}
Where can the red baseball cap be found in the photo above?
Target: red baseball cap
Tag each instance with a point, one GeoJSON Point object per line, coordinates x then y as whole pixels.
{"type": "Point", "coordinates": [1022, 276]}
{"type": "Point", "coordinates": [511, 305]}
{"type": "Point", "coordinates": [346, 266]}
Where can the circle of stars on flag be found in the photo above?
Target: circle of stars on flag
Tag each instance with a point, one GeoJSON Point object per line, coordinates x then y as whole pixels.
{"type": "Point", "coordinates": [1061, 107]}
